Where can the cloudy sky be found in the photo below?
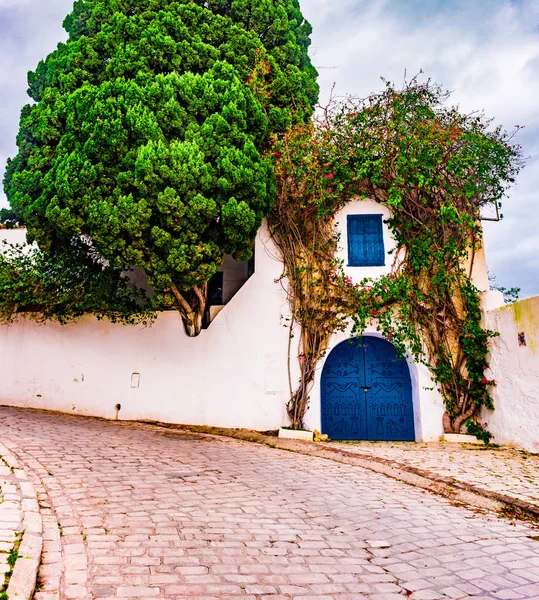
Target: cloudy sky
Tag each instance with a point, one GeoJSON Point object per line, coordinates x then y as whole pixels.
{"type": "Point", "coordinates": [486, 51]}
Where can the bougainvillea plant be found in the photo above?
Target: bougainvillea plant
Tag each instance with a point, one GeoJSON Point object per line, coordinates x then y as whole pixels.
{"type": "Point", "coordinates": [435, 168]}
{"type": "Point", "coordinates": [148, 135]}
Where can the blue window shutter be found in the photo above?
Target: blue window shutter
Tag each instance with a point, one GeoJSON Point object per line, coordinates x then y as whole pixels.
{"type": "Point", "coordinates": [365, 241]}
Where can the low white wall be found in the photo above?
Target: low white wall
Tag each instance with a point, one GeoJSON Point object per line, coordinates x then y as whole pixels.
{"type": "Point", "coordinates": [233, 374]}
{"type": "Point", "coordinates": [12, 236]}
{"type": "Point", "coordinates": [515, 367]}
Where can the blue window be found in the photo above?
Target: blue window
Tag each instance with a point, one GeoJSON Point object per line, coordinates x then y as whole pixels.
{"type": "Point", "coordinates": [365, 241]}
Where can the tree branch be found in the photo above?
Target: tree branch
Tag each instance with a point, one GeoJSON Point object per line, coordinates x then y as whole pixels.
{"type": "Point", "coordinates": [201, 296]}
{"type": "Point", "coordinates": [181, 300]}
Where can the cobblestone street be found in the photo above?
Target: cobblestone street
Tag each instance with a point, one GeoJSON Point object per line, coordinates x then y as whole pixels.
{"type": "Point", "coordinates": [143, 512]}
{"type": "Point", "coordinates": [10, 517]}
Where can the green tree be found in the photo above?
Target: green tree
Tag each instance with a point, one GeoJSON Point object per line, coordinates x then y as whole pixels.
{"type": "Point", "coordinates": [8, 218]}
{"type": "Point", "coordinates": [509, 294]}
{"type": "Point", "coordinates": [149, 131]}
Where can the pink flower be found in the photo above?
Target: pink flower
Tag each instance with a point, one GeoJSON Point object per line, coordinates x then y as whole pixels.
{"type": "Point", "coordinates": [330, 176]}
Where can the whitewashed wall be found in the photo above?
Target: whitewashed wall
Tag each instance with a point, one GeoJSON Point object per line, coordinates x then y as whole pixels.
{"type": "Point", "coordinates": [233, 374]}
{"type": "Point", "coordinates": [515, 420]}
{"type": "Point", "coordinates": [12, 236]}
{"type": "Point", "coordinates": [428, 404]}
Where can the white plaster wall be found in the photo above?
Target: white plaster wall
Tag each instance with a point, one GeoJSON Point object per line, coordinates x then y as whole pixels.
{"type": "Point", "coordinates": [515, 420]}
{"type": "Point", "coordinates": [479, 270]}
{"type": "Point", "coordinates": [490, 299]}
{"type": "Point", "coordinates": [233, 374]}
{"type": "Point", "coordinates": [12, 236]}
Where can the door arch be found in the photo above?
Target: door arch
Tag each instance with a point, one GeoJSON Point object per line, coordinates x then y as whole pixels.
{"type": "Point", "coordinates": [366, 392]}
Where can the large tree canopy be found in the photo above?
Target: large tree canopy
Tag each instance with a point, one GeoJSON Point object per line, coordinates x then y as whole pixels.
{"type": "Point", "coordinates": [148, 134]}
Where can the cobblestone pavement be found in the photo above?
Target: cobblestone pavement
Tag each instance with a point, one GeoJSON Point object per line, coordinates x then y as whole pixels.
{"type": "Point", "coordinates": [504, 470]}
{"type": "Point", "coordinates": [10, 517]}
{"type": "Point", "coordinates": [20, 530]}
{"type": "Point", "coordinates": [134, 511]}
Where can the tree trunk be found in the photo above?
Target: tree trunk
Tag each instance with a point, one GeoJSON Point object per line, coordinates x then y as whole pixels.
{"type": "Point", "coordinates": [192, 306]}
{"type": "Point", "coordinates": [455, 425]}
{"type": "Point", "coordinates": [193, 323]}
{"type": "Point", "coordinates": [461, 419]}
{"type": "Point", "coordinates": [446, 421]}
{"type": "Point", "coordinates": [311, 350]}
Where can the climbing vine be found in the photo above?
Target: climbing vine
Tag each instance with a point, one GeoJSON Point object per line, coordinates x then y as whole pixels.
{"type": "Point", "coordinates": [301, 223]}
{"type": "Point", "coordinates": [435, 168]}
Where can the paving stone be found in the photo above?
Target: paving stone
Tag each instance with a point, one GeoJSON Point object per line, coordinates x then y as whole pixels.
{"type": "Point", "coordinates": [508, 471]}
{"type": "Point", "coordinates": [135, 511]}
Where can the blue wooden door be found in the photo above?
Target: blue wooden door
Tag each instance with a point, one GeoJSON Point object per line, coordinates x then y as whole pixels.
{"type": "Point", "coordinates": [367, 392]}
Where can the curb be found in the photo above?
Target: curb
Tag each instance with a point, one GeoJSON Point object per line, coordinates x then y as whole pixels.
{"type": "Point", "coordinates": [457, 491]}
{"type": "Point", "coordinates": [23, 581]}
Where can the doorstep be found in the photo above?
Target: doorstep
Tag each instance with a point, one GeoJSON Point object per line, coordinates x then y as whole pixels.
{"type": "Point", "coordinates": [296, 434]}
{"type": "Point", "coordinates": [461, 438]}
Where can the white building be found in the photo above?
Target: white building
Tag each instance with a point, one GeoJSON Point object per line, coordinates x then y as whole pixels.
{"type": "Point", "coordinates": [234, 374]}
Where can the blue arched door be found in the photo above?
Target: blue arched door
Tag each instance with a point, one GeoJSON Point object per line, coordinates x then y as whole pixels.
{"type": "Point", "coordinates": [367, 392]}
